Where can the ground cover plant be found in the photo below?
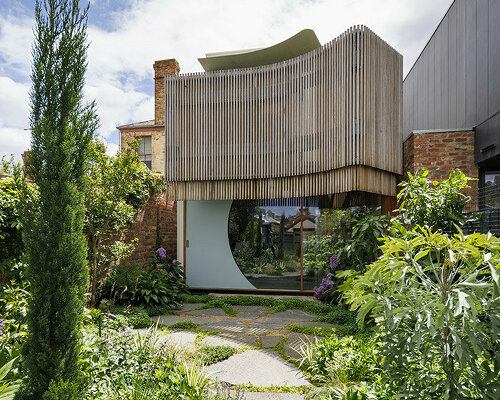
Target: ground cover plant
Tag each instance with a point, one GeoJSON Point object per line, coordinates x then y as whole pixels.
{"type": "Point", "coordinates": [276, 305]}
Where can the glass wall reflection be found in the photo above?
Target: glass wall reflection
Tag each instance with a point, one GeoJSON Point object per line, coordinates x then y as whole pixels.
{"type": "Point", "coordinates": [265, 241]}
{"type": "Point", "coordinates": [328, 221]}
{"type": "Point", "coordinates": [269, 238]}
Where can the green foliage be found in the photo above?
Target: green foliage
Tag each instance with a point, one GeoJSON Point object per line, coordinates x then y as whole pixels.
{"type": "Point", "coordinates": [61, 130]}
{"type": "Point", "coordinates": [161, 286]}
{"type": "Point", "coordinates": [349, 359]}
{"type": "Point", "coordinates": [135, 367]}
{"type": "Point", "coordinates": [214, 354]}
{"type": "Point", "coordinates": [63, 390]}
{"type": "Point", "coordinates": [438, 205]}
{"type": "Point", "coordinates": [117, 187]}
{"type": "Point", "coordinates": [11, 244]}
{"type": "Point", "coordinates": [437, 300]}
{"type": "Point", "coordinates": [7, 166]}
{"type": "Point", "coordinates": [13, 328]}
{"type": "Point", "coordinates": [216, 303]}
{"type": "Point", "coordinates": [362, 247]}
{"type": "Point", "coordinates": [8, 388]}
{"type": "Point", "coordinates": [317, 252]}
{"type": "Point", "coordinates": [186, 325]}
{"type": "Point", "coordinates": [281, 238]}
{"type": "Point", "coordinates": [339, 315]}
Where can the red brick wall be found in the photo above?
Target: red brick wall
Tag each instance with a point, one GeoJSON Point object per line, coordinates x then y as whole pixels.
{"type": "Point", "coordinates": [440, 152]}
{"type": "Point", "coordinates": [144, 229]}
{"type": "Point", "coordinates": [162, 68]}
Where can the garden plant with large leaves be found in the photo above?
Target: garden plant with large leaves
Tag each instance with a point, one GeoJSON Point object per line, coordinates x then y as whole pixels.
{"type": "Point", "coordinates": [437, 302]}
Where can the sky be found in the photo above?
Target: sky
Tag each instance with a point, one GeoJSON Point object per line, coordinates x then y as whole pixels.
{"type": "Point", "coordinates": [127, 36]}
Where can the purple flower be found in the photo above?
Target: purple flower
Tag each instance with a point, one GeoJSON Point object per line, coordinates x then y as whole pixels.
{"type": "Point", "coordinates": [1, 326]}
{"type": "Point", "coordinates": [171, 275]}
{"type": "Point", "coordinates": [326, 284]}
{"type": "Point", "coordinates": [162, 253]}
{"type": "Point", "coordinates": [334, 262]}
{"type": "Point", "coordinates": [174, 261]}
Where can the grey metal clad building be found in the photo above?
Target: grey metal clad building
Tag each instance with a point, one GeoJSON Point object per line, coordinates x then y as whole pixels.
{"type": "Point", "coordinates": [455, 82]}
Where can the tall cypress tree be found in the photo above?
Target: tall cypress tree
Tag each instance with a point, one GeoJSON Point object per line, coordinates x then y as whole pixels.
{"type": "Point", "coordinates": [62, 128]}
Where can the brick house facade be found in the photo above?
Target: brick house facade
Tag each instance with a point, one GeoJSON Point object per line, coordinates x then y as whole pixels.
{"type": "Point", "coordinates": [158, 212]}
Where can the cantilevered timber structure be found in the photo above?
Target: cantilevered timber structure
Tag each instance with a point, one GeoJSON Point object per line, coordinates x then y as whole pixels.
{"type": "Point", "coordinates": [325, 122]}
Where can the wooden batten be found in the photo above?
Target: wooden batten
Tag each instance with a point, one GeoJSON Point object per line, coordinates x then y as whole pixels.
{"type": "Point", "coordinates": [328, 121]}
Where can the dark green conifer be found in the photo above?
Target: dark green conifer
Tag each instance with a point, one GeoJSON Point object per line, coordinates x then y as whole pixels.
{"type": "Point", "coordinates": [62, 128]}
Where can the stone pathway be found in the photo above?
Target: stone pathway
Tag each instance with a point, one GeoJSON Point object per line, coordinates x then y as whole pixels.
{"type": "Point", "coordinates": [257, 334]}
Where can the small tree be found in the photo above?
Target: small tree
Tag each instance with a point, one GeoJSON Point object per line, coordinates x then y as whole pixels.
{"type": "Point", "coordinates": [437, 300]}
{"type": "Point", "coordinates": [438, 205]}
{"type": "Point", "coordinates": [61, 131]}
{"type": "Point", "coordinates": [281, 238]}
{"type": "Point", "coordinates": [117, 187]}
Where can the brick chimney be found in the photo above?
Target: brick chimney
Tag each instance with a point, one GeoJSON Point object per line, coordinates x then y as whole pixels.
{"type": "Point", "coordinates": [162, 68]}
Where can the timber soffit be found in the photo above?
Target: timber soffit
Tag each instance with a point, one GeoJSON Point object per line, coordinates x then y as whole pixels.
{"type": "Point", "coordinates": [328, 121]}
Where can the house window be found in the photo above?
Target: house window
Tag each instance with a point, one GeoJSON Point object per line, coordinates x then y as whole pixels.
{"type": "Point", "coordinates": [144, 151]}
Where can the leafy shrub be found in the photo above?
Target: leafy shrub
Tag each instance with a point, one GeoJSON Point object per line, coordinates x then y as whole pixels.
{"type": "Point", "coordinates": [214, 354]}
{"type": "Point", "coordinates": [13, 328]}
{"type": "Point", "coordinates": [119, 366]}
{"type": "Point", "coordinates": [339, 315]}
{"type": "Point", "coordinates": [438, 205]}
{"type": "Point", "coordinates": [63, 390]}
{"type": "Point", "coordinates": [437, 301]}
{"type": "Point", "coordinates": [8, 388]}
{"type": "Point", "coordinates": [345, 361]}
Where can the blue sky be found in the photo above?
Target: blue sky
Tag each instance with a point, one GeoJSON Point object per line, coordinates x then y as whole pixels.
{"type": "Point", "coordinates": [127, 36]}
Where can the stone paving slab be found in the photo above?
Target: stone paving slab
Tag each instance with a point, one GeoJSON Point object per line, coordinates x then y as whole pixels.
{"type": "Point", "coordinates": [261, 325]}
{"type": "Point", "coordinates": [295, 342]}
{"type": "Point", "coordinates": [270, 341]}
{"type": "Point", "coordinates": [208, 312]}
{"type": "Point", "coordinates": [189, 307]}
{"type": "Point", "coordinates": [227, 339]}
{"type": "Point", "coordinates": [259, 367]}
{"type": "Point", "coordinates": [232, 325]}
{"type": "Point", "coordinates": [292, 315]}
{"type": "Point", "coordinates": [252, 309]}
{"type": "Point", "coordinates": [174, 319]}
{"type": "Point", "coordinates": [181, 338]}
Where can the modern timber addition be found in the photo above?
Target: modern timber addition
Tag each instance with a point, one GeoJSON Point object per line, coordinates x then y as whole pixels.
{"type": "Point", "coordinates": [328, 121]}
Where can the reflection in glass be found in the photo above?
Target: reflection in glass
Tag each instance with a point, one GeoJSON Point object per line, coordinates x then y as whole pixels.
{"type": "Point", "coordinates": [333, 218]}
{"type": "Point", "coordinates": [265, 241]}
{"type": "Point", "coordinates": [266, 237]}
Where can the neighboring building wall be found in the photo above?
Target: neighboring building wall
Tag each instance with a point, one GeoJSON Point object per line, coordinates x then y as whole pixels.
{"type": "Point", "coordinates": [440, 152]}
{"type": "Point", "coordinates": [145, 226]}
{"type": "Point", "coordinates": [455, 81]}
{"type": "Point", "coordinates": [157, 134]}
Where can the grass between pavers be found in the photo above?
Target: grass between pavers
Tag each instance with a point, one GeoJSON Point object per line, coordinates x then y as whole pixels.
{"type": "Point", "coordinates": [275, 305]}
{"type": "Point", "coordinates": [211, 354]}
{"type": "Point", "coordinates": [274, 388]}
{"type": "Point", "coordinates": [226, 308]}
{"type": "Point", "coordinates": [185, 325]}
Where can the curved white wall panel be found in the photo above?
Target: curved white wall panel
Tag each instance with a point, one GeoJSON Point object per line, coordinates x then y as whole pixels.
{"type": "Point", "coordinates": [209, 261]}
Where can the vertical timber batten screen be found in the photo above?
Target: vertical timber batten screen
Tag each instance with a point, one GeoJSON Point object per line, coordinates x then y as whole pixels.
{"type": "Point", "coordinates": [328, 121]}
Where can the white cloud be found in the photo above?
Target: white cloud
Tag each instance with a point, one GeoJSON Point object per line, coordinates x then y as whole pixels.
{"type": "Point", "coordinates": [121, 54]}
{"type": "Point", "coordinates": [14, 103]}
{"type": "Point", "coordinates": [13, 141]}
